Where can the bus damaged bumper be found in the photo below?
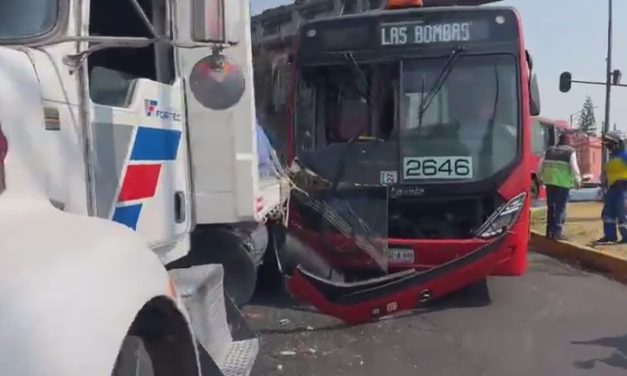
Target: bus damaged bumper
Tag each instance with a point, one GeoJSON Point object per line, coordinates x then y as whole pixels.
{"type": "Point", "coordinates": [439, 267]}
{"type": "Point", "coordinates": [365, 301]}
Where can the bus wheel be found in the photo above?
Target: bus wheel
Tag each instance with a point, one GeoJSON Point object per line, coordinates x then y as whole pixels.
{"type": "Point", "coordinates": [284, 254]}
{"type": "Point", "coordinates": [535, 190]}
{"type": "Point", "coordinates": [270, 275]}
{"type": "Point", "coordinates": [133, 359]}
{"type": "Point", "coordinates": [477, 294]}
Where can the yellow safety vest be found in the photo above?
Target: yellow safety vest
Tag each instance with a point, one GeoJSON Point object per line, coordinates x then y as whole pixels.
{"type": "Point", "coordinates": [615, 169]}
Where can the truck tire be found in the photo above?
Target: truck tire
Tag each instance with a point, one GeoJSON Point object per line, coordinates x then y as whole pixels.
{"type": "Point", "coordinates": [229, 248]}
{"type": "Point", "coordinates": [133, 359]}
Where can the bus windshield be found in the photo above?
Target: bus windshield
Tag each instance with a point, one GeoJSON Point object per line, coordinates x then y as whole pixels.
{"type": "Point", "coordinates": [347, 101]}
{"type": "Point", "coordinates": [27, 18]}
{"type": "Point", "coordinates": [469, 129]}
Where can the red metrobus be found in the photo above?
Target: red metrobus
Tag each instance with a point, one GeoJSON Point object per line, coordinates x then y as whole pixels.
{"type": "Point", "coordinates": [410, 142]}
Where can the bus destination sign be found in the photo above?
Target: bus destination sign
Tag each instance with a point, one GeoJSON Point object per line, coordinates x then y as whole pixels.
{"type": "Point", "coordinates": [372, 34]}
{"type": "Point", "coordinates": [415, 33]}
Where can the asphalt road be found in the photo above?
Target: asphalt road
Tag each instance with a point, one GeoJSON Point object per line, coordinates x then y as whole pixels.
{"type": "Point", "coordinates": [556, 320]}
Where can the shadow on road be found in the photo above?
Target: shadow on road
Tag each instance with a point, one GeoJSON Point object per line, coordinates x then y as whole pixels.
{"type": "Point", "coordinates": [618, 359]}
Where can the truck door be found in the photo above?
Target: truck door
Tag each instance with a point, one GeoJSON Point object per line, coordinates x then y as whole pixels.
{"type": "Point", "coordinates": [137, 117]}
{"type": "Point", "coordinates": [219, 106]}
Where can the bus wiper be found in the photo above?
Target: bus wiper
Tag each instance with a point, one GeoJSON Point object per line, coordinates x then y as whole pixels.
{"type": "Point", "coordinates": [439, 82]}
{"type": "Point", "coordinates": [342, 162]}
{"type": "Point", "coordinates": [350, 57]}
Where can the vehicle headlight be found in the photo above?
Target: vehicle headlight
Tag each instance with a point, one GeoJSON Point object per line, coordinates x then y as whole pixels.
{"type": "Point", "coordinates": [503, 218]}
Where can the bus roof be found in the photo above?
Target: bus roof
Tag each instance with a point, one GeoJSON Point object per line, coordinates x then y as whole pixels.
{"type": "Point", "coordinates": [396, 4]}
{"type": "Point", "coordinates": [380, 12]}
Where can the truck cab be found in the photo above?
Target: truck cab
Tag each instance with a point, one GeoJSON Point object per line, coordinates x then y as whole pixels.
{"type": "Point", "coordinates": [134, 132]}
{"type": "Point", "coordinates": [131, 186]}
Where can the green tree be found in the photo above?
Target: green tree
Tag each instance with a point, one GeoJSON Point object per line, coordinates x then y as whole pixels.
{"type": "Point", "coordinates": [587, 122]}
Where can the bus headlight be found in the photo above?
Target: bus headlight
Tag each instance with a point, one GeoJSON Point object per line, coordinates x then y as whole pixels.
{"type": "Point", "coordinates": [503, 218]}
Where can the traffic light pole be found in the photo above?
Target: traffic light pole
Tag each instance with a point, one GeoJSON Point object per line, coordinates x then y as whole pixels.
{"type": "Point", "coordinates": [612, 78]}
{"type": "Point", "coordinates": [596, 83]}
{"type": "Point", "coordinates": [608, 78]}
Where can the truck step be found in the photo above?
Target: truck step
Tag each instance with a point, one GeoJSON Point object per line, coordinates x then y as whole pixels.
{"type": "Point", "coordinates": [225, 339]}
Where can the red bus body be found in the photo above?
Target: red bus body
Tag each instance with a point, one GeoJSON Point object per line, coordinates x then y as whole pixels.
{"type": "Point", "coordinates": [436, 266]}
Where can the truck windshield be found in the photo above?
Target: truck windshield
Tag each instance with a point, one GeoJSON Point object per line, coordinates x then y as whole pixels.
{"type": "Point", "coordinates": [20, 19]}
{"type": "Point", "coordinates": [469, 129]}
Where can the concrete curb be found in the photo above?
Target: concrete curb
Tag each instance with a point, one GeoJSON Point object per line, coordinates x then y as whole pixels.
{"type": "Point", "coordinates": [587, 257]}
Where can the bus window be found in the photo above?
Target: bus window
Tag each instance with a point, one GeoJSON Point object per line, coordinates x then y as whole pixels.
{"type": "Point", "coordinates": [347, 117]}
{"type": "Point", "coordinates": [305, 119]}
{"type": "Point", "coordinates": [539, 137]}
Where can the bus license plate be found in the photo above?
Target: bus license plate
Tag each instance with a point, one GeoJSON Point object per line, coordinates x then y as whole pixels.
{"type": "Point", "coordinates": [403, 256]}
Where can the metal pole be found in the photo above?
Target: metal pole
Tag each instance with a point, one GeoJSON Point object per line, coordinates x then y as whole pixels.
{"type": "Point", "coordinates": [608, 76]}
{"type": "Point", "coordinates": [571, 121]}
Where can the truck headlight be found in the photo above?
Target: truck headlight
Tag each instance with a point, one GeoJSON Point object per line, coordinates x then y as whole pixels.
{"type": "Point", "coordinates": [503, 218]}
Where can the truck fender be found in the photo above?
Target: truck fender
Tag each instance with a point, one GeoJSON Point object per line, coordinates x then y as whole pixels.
{"type": "Point", "coordinates": [71, 287]}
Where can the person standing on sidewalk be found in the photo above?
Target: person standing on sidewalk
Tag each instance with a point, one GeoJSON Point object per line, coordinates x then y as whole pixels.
{"type": "Point", "coordinates": [559, 172]}
{"type": "Point", "coordinates": [614, 180]}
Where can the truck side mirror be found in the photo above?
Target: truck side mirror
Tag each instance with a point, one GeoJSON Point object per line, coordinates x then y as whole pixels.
{"type": "Point", "coordinates": [534, 96]}
{"type": "Point", "coordinates": [566, 81]}
{"type": "Point", "coordinates": [216, 21]}
{"type": "Point", "coordinates": [217, 82]}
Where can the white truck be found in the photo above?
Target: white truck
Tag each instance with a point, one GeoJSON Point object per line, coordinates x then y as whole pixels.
{"type": "Point", "coordinates": [129, 187]}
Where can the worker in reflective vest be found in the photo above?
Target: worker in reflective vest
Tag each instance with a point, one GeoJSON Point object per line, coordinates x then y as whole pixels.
{"type": "Point", "coordinates": [559, 172]}
{"type": "Point", "coordinates": [614, 179]}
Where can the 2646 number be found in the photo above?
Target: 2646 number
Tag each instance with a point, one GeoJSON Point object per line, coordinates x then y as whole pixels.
{"type": "Point", "coordinates": [437, 167]}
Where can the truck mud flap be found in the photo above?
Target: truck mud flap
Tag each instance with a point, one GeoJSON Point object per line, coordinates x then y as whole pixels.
{"type": "Point", "coordinates": [365, 301]}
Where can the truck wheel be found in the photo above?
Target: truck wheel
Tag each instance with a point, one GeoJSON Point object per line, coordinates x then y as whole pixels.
{"type": "Point", "coordinates": [227, 247]}
{"type": "Point", "coordinates": [240, 271]}
{"type": "Point", "coordinates": [133, 359]}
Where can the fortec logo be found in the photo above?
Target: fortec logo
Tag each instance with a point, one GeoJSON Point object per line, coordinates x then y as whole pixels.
{"type": "Point", "coordinates": [152, 110]}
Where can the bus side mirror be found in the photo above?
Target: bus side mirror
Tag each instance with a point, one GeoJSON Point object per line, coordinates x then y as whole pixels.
{"type": "Point", "coordinates": [552, 139]}
{"type": "Point", "coordinates": [534, 96]}
{"type": "Point", "coordinates": [566, 81]}
{"type": "Point", "coordinates": [216, 21]}
{"type": "Point", "coordinates": [529, 60]}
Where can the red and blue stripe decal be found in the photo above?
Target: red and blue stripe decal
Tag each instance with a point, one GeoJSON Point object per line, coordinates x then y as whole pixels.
{"type": "Point", "coordinates": [151, 148]}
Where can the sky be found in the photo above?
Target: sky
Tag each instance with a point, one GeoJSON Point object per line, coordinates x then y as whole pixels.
{"type": "Point", "coordinates": [564, 35]}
